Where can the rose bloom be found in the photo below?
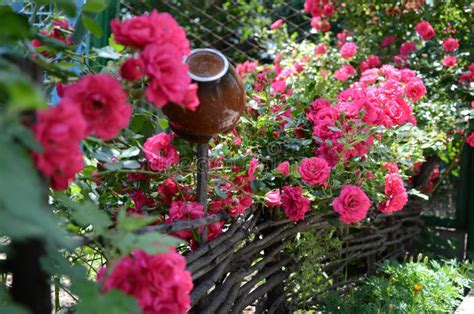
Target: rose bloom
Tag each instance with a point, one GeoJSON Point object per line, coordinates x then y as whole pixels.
{"type": "Point", "coordinates": [387, 41]}
{"type": "Point", "coordinates": [415, 89]}
{"type": "Point", "coordinates": [159, 28]}
{"type": "Point", "coordinates": [102, 102]}
{"type": "Point", "coordinates": [314, 170]}
{"type": "Point", "coordinates": [273, 198]}
{"type": "Point", "coordinates": [284, 168]}
{"type": "Point", "coordinates": [294, 203]}
{"type": "Point", "coordinates": [169, 79]}
{"type": "Point", "coordinates": [181, 210]}
{"type": "Point", "coordinates": [159, 283]}
{"type": "Point", "coordinates": [167, 190]}
{"type": "Point", "coordinates": [395, 192]}
{"type": "Point", "coordinates": [60, 166]}
{"type": "Point", "coordinates": [407, 48]}
{"type": "Point", "coordinates": [60, 127]}
{"type": "Point", "coordinates": [321, 49]}
{"type": "Point", "coordinates": [313, 7]}
{"type": "Point", "coordinates": [352, 204]}
{"type": "Point", "coordinates": [191, 99]}
{"type": "Point", "coordinates": [279, 86]}
{"type": "Point", "coordinates": [132, 69]}
{"type": "Point", "coordinates": [239, 205]}
{"type": "Point", "coordinates": [425, 30]}
{"type": "Point", "coordinates": [277, 24]}
{"type": "Point", "coordinates": [348, 50]}
{"type": "Point", "coordinates": [450, 44]}
{"type": "Point", "coordinates": [246, 67]}
{"type": "Point", "coordinates": [344, 72]}
{"type": "Point", "coordinates": [159, 151]}
{"type": "Point", "coordinates": [320, 24]}
{"type": "Point", "coordinates": [470, 139]}
{"type": "Point", "coordinates": [449, 61]}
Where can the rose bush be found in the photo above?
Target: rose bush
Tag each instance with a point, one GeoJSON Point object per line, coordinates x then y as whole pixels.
{"type": "Point", "coordinates": [339, 124]}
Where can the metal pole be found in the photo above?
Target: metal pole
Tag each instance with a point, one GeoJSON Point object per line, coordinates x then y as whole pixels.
{"type": "Point", "coordinates": [202, 169]}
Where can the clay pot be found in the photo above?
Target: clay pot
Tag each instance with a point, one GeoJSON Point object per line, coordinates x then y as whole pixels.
{"type": "Point", "coordinates": [221, 98]}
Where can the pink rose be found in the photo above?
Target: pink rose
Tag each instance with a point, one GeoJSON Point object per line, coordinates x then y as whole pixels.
{"type": "Point", "coordinates": [59, 128]}
{"type": "Point", "coordinates": [387, 41]}
{"type": "Point", "coordinates": [181, 210]}
{"type": "Point", "coordinates": [140, 199]}
{"type": "Point", "coordinates": [160, 282]}
{"type": "Point", "coordinates": [321, 49]}
{"type": "Point", "coordinates": [273, 198]}
{"type": "Point", "coordinates": [314, 170]}
{"type": "Point", "coordinates": [407, 48]}
{"type": "Point", "coordinates": [284, 168]}
{"type": "Point", "coordinates": [156, 28]}
{"type": "Point", "coordinates": [294, 203]}
{"type": "Point", "coordinates": [425, 30]}
{"type": "Point", "coordinates": [398, 112]}
{"type": "Point", "coordinates": [246, 67]}
{"type": "Point", "coordinates": [415, 89]}
{"type": "Point", "coordinates": [159, 151]}
{"type": "Point", "coordinates": [132, 69]}
{"type": "Point", "coordinates": [169, 79]}
{"type": "Point", "coordinates": [279, 86]}
{"type": "Point", "coordinates": [395, 192]}
{"type": "Point", "coordinates": [277, 24]}
{"type": "Point", "coordinates": [320, 24]}
{"type": "Point", "coordinates": [240, 205]}
{"type": "Point", "coordinates": [470, 139]}
{"type": "Point", "coordinates": [352, 204]}
{"type": "Point", "coordinates": [313, 7]}
{"type": "Point", "coordinates": [344, 72]}
{"type": "Point", "coordinates": [191, 100]}
{"type": "Point", "coordinates": [102, 102]}
{"type": "Point", "coordinates": [449, 61]}
{"type": "Point", "coordinates": [60, 166]}
{"type": "Point", "coordinates": [329, 9]}
{"type": "Point", "coordinates": [167, 190]}
{"type": "Point", "coordinates": [348, 50]}
{"type": "Point", "coordinates": [450, 44]}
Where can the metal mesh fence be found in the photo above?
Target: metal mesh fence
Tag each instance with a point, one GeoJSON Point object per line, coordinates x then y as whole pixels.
{"type": "Point", "coordinates": [231, 26]}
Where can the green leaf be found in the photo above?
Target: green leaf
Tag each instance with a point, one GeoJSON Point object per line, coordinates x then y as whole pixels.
{"type": "Point", "coordinates": [132, 223]}
{"type": "Point", "coordinates": [95, 6]}
{"type": "Point", "coordinates": [14, 26]}
{"type": "Point", "coordinates": [18, 92]}
{"type": "Point", "coordinates": [130, 164]}
{"type": "Point", "coordinates": [93, 300]}
{"type": "Point", "coordinates": [67, 6]}
{"type": "Point", "coordinates": [164, 124]}
{"type": "Point", "coordinates": [91, 25]}
{"type": "Point", "coordinates": [117, 47]}
{"type": "Point", "coordinates": [21, 216]}
{"type": "Point", "coordinates": [151, 242]}
{"type": "Point", "coordinates": [86, 213]}
{"type": "Point", "coordinates": [130, 152]}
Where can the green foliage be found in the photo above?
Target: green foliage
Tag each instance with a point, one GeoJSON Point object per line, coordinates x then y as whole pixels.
{"type": "Point", "coordinates": [422, 286]}
{"type": "Point", "coordinates": [308, 250]}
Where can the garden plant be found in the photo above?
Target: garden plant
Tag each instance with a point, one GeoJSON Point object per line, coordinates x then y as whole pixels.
{"type": "Point", "coordinates": [343, 132]}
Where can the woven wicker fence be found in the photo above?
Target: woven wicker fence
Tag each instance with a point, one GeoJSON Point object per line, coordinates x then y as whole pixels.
{"type": "Point", "coordinates": [248, 266]}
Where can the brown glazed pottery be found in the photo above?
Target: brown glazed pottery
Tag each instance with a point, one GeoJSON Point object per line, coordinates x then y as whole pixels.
{"type": "Point", "coordinates": [221, 98]}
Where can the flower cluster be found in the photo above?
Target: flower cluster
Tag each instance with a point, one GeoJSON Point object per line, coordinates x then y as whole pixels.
{"type": "Point", "coordinates": [60, 30]}
{"type": "Point", "coordinates": [321, 11]}
{"type": "Point", "coordinates": [382, 97]}
{"type": "Point", "coordinates": [162, 45]}
{"type": "Point", "coordinates": [96, 104]}
{"type": "Point", "coordinates": [159, 282]}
